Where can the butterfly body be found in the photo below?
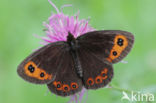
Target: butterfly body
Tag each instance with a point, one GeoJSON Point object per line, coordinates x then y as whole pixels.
{"type": "Point", "coordinates": [72, 42]}
{"type": "Point", "coordinates": [83, 62]}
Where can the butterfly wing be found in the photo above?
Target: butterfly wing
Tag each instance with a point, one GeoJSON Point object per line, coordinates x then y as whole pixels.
{"type": "Point", "coordinates": [66, 81]}
{"type": "Point", "coordinates": [96, 73]}
{"type": "Point", "coordinates": [41, 66]}
{"type": "Point", "coordinates": [111, 44]}
{"type": "Point", "coordinates": [97, 51]}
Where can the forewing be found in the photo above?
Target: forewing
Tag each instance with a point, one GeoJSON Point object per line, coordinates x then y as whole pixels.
{"type": "Point", "coordinates": [111, 44]}
{"type": "Point", "coordinates": [66, 81]}
{"type": "Point", "coordinates": [41, 66]}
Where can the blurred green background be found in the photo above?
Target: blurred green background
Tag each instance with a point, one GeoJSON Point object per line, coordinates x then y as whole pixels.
{"type": "Point", "coordinates": [20, 19]}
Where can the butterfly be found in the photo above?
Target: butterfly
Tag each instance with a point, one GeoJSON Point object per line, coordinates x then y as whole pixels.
{"type": "Point", "coordinates": [83, 62]}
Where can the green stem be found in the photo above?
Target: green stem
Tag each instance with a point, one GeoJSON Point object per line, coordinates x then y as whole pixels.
{"type": "Point", "coordinates": [121, 89]}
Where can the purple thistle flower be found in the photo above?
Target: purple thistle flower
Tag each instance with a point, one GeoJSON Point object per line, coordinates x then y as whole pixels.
{"type": "Point", "coordinates": [60, 24]}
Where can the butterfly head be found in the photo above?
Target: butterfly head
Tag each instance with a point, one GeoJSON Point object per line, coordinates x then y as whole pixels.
{"type": "Point", "coordinates": [71, 41]}
{"type": "Point", "coordinates": [70, 37]}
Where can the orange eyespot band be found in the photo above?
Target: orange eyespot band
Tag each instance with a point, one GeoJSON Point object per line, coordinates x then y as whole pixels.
{"type": "Point", "coordinates": [90, 81]}
{"type": "Point", "coordinates": [104, 73]}
{"type": "Point", "coordinates": [118, 47]}
{"type": "Point", "coordinates": [74, 86]}
{"type": "Point", "coordinates": [58, 85]}
{"type": "Point", "coordinates": [32, 70]}
{"type": "Point", "coordinates": [66, 88]}
{"type": "Point", "coordinates": [98, 80]}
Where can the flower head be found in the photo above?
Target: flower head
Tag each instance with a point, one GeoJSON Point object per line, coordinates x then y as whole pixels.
{"type": "Point", "coordinates": [59, 25]}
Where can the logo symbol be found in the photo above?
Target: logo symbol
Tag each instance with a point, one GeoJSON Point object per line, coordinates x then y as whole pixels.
{"type": "Point", "coordinates": [125, 96]}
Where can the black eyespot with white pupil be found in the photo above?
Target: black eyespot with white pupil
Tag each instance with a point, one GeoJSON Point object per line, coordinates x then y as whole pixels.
{"type": "Point", "coordinates": [58, 86]}
{"type": "Point", "coordinates": [103, 74]}
{"type": "Point", "coordinates": [31, 68]}
{"type": "Point", "coordinates": [90, 81]}
{"type": "Point", "coordinates": [74, 86]}
{"type": "Point", "coordinates": [114, 53]}
{"type": "Point", "coordinates": [42, 75]}
{"type": "Point", "coordinates": [120, 42]}
{"type": "Point", "coordinates": [65, 88]}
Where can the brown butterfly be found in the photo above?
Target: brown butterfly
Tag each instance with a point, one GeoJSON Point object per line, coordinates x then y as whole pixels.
{"type": "Point", "coordinates": [86, 61]}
